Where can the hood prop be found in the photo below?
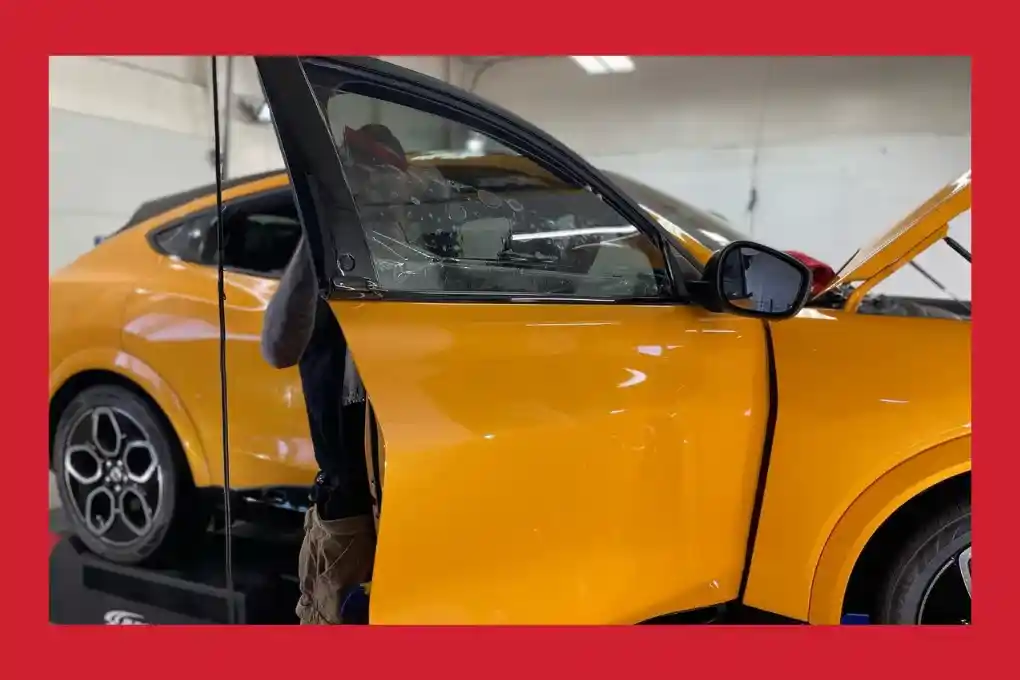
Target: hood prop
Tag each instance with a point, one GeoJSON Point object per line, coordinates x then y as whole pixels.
{"type": "Point", "coordinates": [938, 284]}
{"type": "Point", "coordinates": [958, 247]}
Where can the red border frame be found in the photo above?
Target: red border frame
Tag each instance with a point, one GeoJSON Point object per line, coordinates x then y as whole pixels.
{"type": "Point", "coordinates": [32, 30]}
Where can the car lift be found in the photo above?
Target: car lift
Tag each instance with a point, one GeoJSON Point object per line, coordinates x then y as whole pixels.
{"type": "Point", "coordinates": [86, 589]}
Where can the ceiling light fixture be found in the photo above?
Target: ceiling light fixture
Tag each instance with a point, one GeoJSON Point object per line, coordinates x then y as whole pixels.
{"type": "Point", "coordinates": [600, 65]}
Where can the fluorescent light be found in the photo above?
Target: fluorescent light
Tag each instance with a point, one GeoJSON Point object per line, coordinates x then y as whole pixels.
{"type": "Point", "coordinates": [591, 64]}
{"type": "Point", "coordinates": [618, 64]}
{"type": "Point", "coordinates": [599, 65]}
{"type": "Point", "coordinates": [567, 233]}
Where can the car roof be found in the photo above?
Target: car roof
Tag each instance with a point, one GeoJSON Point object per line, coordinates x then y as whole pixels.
{"type": "Point", "coordinates": [158, 206]}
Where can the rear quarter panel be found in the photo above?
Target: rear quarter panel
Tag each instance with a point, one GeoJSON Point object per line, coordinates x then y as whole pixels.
{"type": "Point", "coordinates": [858, 397]}
{"type": "Point", "coordinates": [87, 300]}
{"type": "Point", "coordinates": [172, 322]}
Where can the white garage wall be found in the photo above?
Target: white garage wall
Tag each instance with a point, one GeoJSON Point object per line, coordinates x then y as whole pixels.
{"type": "Point", "coordinates": [837, 148]}
{"type": "Point", "coordinates": [124, 130]}
{"type": "Point", "coordinates": [96, 178]}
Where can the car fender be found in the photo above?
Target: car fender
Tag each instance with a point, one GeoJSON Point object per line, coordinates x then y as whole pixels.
{"type": "Point", "coordinates": [850, 410]}
{"type": "Point", "coordinates": [869, 511]}
{"type": "Point", "coordinates": [132, 368]}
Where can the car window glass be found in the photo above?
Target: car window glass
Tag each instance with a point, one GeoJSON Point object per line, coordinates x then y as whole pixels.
{"type": "Point", "coordinates": [710, 230]}
{"type": "Point", "coordinates": [260, 243]}
{"type": "Point", "coordinates": [184, 241]}
{"type": "Point", "coordinates": [450, 211]}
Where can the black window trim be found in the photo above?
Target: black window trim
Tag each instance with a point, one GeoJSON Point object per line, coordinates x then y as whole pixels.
{"type": "Point", "coordinates": [438, 104]}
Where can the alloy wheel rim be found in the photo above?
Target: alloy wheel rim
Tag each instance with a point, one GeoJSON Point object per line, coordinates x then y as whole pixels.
{"type": "Point", "coordinates": [112, 475]}
{"type": "Point", "coordinates": [947, 598]}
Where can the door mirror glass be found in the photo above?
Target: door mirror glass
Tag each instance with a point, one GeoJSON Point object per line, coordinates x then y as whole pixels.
{"type": "Point", "coordinates": [750, 279]}
{"type": "Point", "coordinates": [755, 280]}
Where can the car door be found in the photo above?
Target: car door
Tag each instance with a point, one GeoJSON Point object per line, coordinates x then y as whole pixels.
{"type": "Point", "coordinates": [567, 438]}
{"type": "Point", "coordinates": [172, 324]}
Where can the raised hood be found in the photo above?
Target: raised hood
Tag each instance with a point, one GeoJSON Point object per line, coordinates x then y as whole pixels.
{"type": "Point", "coordinates": [911, 236]}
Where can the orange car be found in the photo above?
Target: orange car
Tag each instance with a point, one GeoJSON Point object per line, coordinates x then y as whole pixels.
{"type": "Point", "coordinates": [589, 402]}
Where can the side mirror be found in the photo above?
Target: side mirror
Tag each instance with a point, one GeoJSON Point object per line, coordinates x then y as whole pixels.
{"type": "Point", "coordinates": [750, 279]}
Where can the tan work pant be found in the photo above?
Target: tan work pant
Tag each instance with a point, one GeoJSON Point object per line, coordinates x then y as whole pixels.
{"type": "Point", "coordinates": [336, 555]}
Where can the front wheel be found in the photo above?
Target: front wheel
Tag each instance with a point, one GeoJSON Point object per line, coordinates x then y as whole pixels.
{"type": "Point", "coordinates": [930, 581]}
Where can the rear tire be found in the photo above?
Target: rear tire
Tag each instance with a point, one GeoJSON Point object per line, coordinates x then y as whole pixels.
{"type": "Point", "coordinates": [929, 583]}
{"type": "Point", "coordinates": [123, 480]}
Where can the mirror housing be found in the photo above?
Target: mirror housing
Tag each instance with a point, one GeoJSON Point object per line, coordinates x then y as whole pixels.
{"type": "Point", "coordinates": [749, 279]}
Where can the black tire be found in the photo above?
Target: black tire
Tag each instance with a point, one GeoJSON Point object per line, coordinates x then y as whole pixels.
{"type": "Point", "coordinates": [179, 513]}
{"type": "Point", "coordinates": [923, 561]}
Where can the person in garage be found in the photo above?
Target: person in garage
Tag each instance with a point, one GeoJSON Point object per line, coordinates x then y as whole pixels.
{"type": "Point", "coordinates": [300, 329]}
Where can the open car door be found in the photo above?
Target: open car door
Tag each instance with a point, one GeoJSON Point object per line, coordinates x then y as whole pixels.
{"type": "Point", "coordinates": [567, 438]}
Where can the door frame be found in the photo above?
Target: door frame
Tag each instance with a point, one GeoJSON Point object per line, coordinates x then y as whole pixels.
{"type": "Point", "coordinates": [316, 171]}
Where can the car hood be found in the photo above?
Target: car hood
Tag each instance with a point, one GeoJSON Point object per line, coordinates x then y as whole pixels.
{"type": "Point", "coordinates": [910, 237]}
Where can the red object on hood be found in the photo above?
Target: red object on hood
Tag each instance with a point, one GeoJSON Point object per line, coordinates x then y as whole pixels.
{"type": "Point", "coordinates": [363, 143]}
{"type": "Point", "coordinates": [821, 274]}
